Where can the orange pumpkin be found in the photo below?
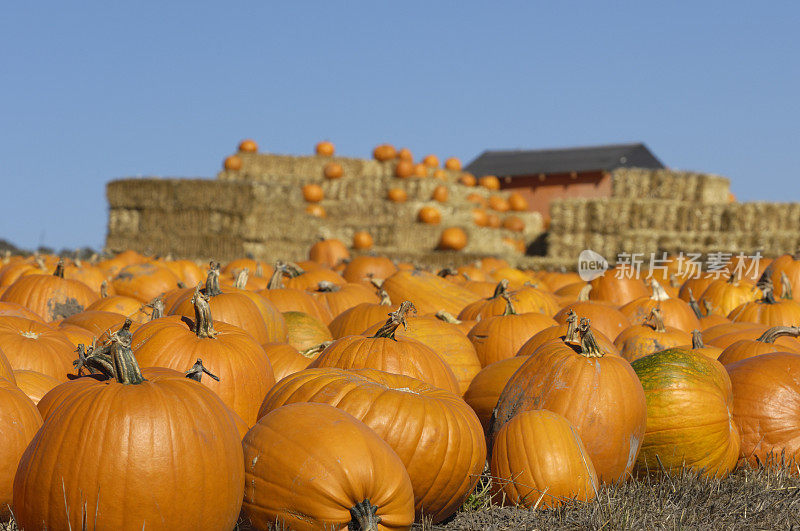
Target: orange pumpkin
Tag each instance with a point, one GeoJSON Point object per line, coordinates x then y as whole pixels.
{"type": "Point", "coordinates": [232, 163]}
{"type": "Point", "coordinates": [34, 384]}
{"type": "Point", "coordinates": [286, 360]}
{"type": "Point", "coordinates": [442, 449]}
{"type": "Point", "coordinates": [420, 170]}
{"type": "Point", "coordinates": [404, 169]}
{"type": "Point", "coordinates": [648, 337]}
{"type": "Point", "coordinates": [467, 179]}
{"type": "Point", "coordinates": [144, 281]}
{"type": "Point", "coordinates": [431, 161]}
{"type": "Point", "coordinates": [334, 299]}
{"type": "Point", "coordinates": [764, 344]}
{"type": "Point", "coordinates": [513, 223]}
{"type": "Point", "coordinates": [492, 220]}
{"type": "Point", "coordinates": [352, 481]}
{"type": "Point", "coordinates": [723, 296]}
{"type": "Point", "coordinates": [490, 182]}
{"type": "Point", "coordinates": [617, 287]}
{"type": "Point", "coordinates": [675, 312]}
{"type": "Point", "coordinates": [324, 149]}
{"type": "Point", "coordinates": [517, 202]}
{"type": "Point", "coordinates": [362, 240]}
{"type": "Point", "coordinates": [480, 217]}
{"type": "Point", "coordinates": [453, 164]}
{"type": "Point", "coordinates": [361, 317]}
{"type": "Point", "coordinates": [316, 210]}
{"type": "Point", "coordinates": [768, 310]}
{"type": "Point", "coordinates": [333, 170]}
{"type": "Point", "coordinates": [405, 154]}
{"type": "Point", "coordinates": [329, 252]}
{"type": "Point", "coordinates": [248, 146]}
{"type": "Point", "coordinates": [440, 194]}
{"type": "Point", "coordinates": [305, 331]}
{"type": "Point", "coordinates": [539, 460]}
{"type": "Point", "coordinates": [429, 215]}
{"type": "Point", "coordinates": [430, 293]}
{"type": "Point", "coordinates": [35, 346]}
{"type": "Point", "coordinates": [453, 239]}
{"type": "Point", "coordinates": [313, 193]}
{"type": "Point", "coordinates": [497, 203]}
{"type": "Point", "coordinates": [21, 420]}
{"type": "Point", "coordinates": [384, 152]}
{"type": "Point", "coordinates": [397, 195]}
{"type": "Point", "coordinates": [486, 386]}
{"type": "Point", "coordinates": [365, 268]}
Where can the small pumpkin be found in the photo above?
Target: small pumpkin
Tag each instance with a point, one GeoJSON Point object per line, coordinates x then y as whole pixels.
{"type": "Point", "coordinates": [490, 182]}
{"type": "Point", "coordinates": [517, 202]}
{"type": "Point", "coordinates": [431, 161]}
{"type": "Point", "coordinates": [397, 195]}
{"type": "Point", "coordinates": [648, 337]}
{"type": "Point", "coordinates": [333, 170]}
{"type": "Point", "coordinates": [467, 179]}
{"type": "Point", "coordinates": [513, 223]}
{"type": "Point", "coordinates": [324, 149]}
{"type": "Point", "coordinates": [365, 268]}
{"type": "Point", "coordinates": [440, 194]}
{"type": "Point", "coordinates": [316, 210]}
{"type": "Point", "coordinates": [248, 146]}
{"type": "Point", "coordinates": [420, 170]}
{"type": "Point", "coordinates": [362, 240]}
{"type": "Point", "coordinates": [405, 154]}
{"type": "Point", "coordinates": [232, 163]}
{"type": "Point", "coordinates": [313, 193]}
{"type": "Point", "coordinates": [452, 163]}
{"type": "Point", "coordinates": [498, 203]}
{"type": "Point", "coordinates": [328, 252]}
{"type": "Point", "coordinates": [384, 152]}
{"type": "Point", "coordinates": [453, 239]}
{"type": "Point", "coordinates": [429, 215]}
{"type": "Point", "coordinates": [404, 169]}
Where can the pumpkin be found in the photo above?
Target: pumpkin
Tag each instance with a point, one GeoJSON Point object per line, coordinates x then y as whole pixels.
{"type": "Point", "coordinates": [35, 346]}
{"type": "Point", "coordinates": [329, 252]}
{"type": "Point", "coordinates": [11, 272]}
{"type": "Point", "coordinates": [12, 309]}
{"type": "Point", "coordinates": [703, 437]}
{"type": "Point", "coordinates": [650, 336]}
{"type": "Point", "coordinates": [122, 305]}
{"type": "Point", "coordinates": [310, 277]}
{"type": "Point", "coordinates": [20, 421]}
{"type": "Point", "coordinates": [440, 174]}
{"type": "Point", "coordinates": [305, 331]}
{"type": "Point", "coordinates": [609, 321]}
{"type": "Point", "coordinates": [526, 300]}
{"type": "Point", "coordinates": [384, 152]}
{"type": "Point", "coordinates": [289, 299]}
{"type": "Point", "coordinates": [443, 337]}
{"type": "Point", "coordinates": [316, 210]}
{"type": "Point", "coordinates": [675, 312]}
{"type": "Point", "coordinates": [492, 221]}
{"type": "Point", "coordinates": [765, 343]}
{"type": "Point", "coordinates": [485, 388]}
{"type": "Point", "coordinates": [695, 286]}
{"type": "Point", "coordinates": [324, 149]}
{"type": "Point", "coordinates": [467, 179]}
{"type": "Point", "coordinates": [787, 265]}
{"type": "Point", "coordinates": [429, 215]}
{"type": "Point", "coordinates": [498, 204]}
{"type": "Point", "coordinates": [405, 154]}
{"type": "Point", "coordinates": [453, 239]}
{"type": "Point", "coordinates": [514, 223]}
{"type": "Point", "coordinates": [420, 170]}
{"type": "Point", "coordinates": [429, 292]}
{"type": "Point", "coordinates": [239, 361]}
{"type": "Point", "coordinates": [334, 299]}
{"type": "Point", "coordinates": [567, 333]}
{"type": "Point", "coordinates": [189, 432]}
{"type": "Point", "coordinates": [257, 268]}
{"type": "Point", "coordinates": [286, 360]}
{"type": "Point", "coordinates": [699, 347]}
{"type": "Point", "coordinates": [434, 432]}
{"type": "Point", "coordinates": [404, 169]}
{"type": "Point", "coordinates": [599, 394]}
{"type": "Point", "coordinates": [538, 460]}
{"type": "Point", "coordinates": [232, 163]}
{"type": "Point", "coordinates": [366, 268]}
{"type": "Point", "coordinates": [500, 337]}
{"type": "Point", "coordinates": [766, 407]}
{"type": "Point", "coordinates": [477, 199]}
{"type": "Point", "coordinates": [397, 195]}
{"type": "Point", "coordinates": [348, 479]}
{"type": "Point", "coordinates": [490, 182]}
{"type": "Point", "coordinates": [618, 287]}
{"type": "Point", "coordinates": [517, 202]}
{"type": "Point", "coordinates": [313, 193]}
{"type": "Point", "coordinates": [767, 310]}
{"type": "Point", "coordinates": [440, 194]}
{"type": "Point", "coordinates": [384, 351]}
{"type": "Point", "coordinates": [248, 146]}
{"type": "Point", "coordinates": [453, 164]}
{"type": "Point", "coordinates": [332, 170]}
{"type": "Point", "coordinates": [144, 282]}
{"type": "Point", "coordinates": [480, 217]}
{"type": "Point", "coordinates": [361, 317]}
{"type": "Point", "coordinates": [241, 308]}
{"type": "Point", "coordinates": [362, 240]}
{"type": "Point", "coordinates": [723, 296]}
{"type": "Point", "coordinates": [52, 297]}
{"type": "Point", "coordinates": [34, 384]}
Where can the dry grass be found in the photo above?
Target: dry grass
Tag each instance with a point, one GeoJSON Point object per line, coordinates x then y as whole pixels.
{"type": "Point", "coordinates": [763, 498]}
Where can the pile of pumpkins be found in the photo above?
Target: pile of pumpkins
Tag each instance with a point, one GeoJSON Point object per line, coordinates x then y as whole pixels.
{"type": "Point", "coordinates": [486, 211]}
{"type": "Point", "coordinates": [360, 393]}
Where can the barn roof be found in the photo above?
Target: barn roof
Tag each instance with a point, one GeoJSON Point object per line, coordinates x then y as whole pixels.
{"type": "Point", "coordinates": [507, 163]}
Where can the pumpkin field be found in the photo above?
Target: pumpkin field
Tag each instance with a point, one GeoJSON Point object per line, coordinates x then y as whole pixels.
{"type": "Point", "coordinates": [351, 391]}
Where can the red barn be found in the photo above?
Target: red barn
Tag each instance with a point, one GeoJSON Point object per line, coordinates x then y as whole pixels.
{"type": "Point", "coordinates": [542, 175]}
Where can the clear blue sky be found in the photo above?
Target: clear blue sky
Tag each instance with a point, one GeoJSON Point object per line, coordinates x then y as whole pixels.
{"type": "Point", "coordinates": [113, 89]}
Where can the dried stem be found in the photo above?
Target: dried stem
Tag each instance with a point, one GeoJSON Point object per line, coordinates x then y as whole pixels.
{"type": "Point", "coordinates": [396, 318]}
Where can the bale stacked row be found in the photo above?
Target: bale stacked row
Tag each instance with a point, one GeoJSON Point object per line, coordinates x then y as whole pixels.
{"type": "Point", "coordinates": [673, 185]}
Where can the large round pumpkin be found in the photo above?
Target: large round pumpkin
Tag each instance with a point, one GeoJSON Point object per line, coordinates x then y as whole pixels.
{"type": "Point", "coordinates": [310, 466]}
{"type": "Point", "coordinates": [650, 336]}
{"type": "Point", "coordinates": [486, 386]}
{"type": "Point", "coordinates": [689, 414]}
{"type": "Point", "coordinates": [675, 312]}
{"type": "Point", "coordinates": [386, 352]}
{"type": "Point", "coordinates": [437, 436]}
{"type": "Point", "coordinates": [538, 460]}
{"type": "Point", "coordinates": [20, 420]}
{"type": "Point", "coordinates": [35, 346]}
{"type": "Point", "coordinates": [161, 454]}
{"type": "Point", "coordinates": [599, 394]}
{"type": "Point", "coordinates": [430, 293]}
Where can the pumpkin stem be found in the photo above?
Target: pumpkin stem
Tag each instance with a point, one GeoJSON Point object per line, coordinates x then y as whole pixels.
{"type": "Point", "coordinates": [316, 349]}
{"type": "Point", "coordinates": [786, 287]}
{"type": "Point", "coordinates": [376, 282]}
{"type": "Point", "coordinates": [293, 270]}
{"type": "Point", "coordinates": [655, 320]}
{"type": "Point", "coordinates": [707, 306]}
{"type": "Point", "coordinates": [212, 288]}
{"type": "Point", "coordinates": [694, 306]}
{"type": "Point", "coordinates": [157, 307]}
{"type": "Point", "coordinates": [95, 360]}
{"type": "Point", "coordinates": [59, 272]}
{"type": "Point", "coordinates": [572, 335]}
{"type": "Point", "coordinates": [659, 293]}
{"type": "Point", "coordinates": [697, 340]}
{"type": "Point", "coordinates": [364, 517]}
{"type": "Point", "coordinates": [241, 279]}
{"type": "Point", "coordinates": [500, 289]}
{"type": "Point", "coordinates": [326, 286]}
{"type": "Point", "coordinates": [673, 281]}
{"type": "Point", "coordinates": [104, 289]}
{"type": "Point", "coordinates": [447, 272]}
{"type": "Point", "coordinates": [198, 370]}
{"type": "Point", "coordinates": [768, 293]}
{"type": "Point", "coordinates": [126, 368]}
{"type": "Point", "coordinates": [385, 299]}
{"type": "Point", "coordinates": [203, 324]}
{"type": "Point", "coordinates": [447, 317]}
{"type": "Point", "coordinates": [276, 280]}
{"type": "Point", "coordinates": [583, 295]}
{"type": "Point", "coordinates": [509, 305]}
{"type": "Point", "coordinates": [396, 318]}
{"type": "Point", "coordinates": [778, 331]}
{"type": "Point", "coordinates": [259, 272]}
{"type": "Point", "coordinates": [589, 345]}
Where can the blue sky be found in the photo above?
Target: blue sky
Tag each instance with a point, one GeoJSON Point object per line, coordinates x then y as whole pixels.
{"type": "Point", "coordinates": [115, 89]}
